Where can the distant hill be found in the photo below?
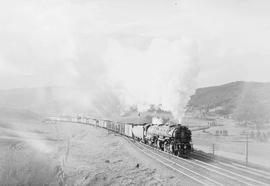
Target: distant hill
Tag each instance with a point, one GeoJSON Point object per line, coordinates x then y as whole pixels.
{"type": "Point", "coordinates": [244, 101]}
{"type": "Point", "coordinates": [14, 113]}
{"type": "Point", "coordinates": [46, 101]}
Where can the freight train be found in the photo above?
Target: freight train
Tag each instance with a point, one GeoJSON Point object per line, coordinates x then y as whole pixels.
{"type": "Point", "coordinates": [171, 138]}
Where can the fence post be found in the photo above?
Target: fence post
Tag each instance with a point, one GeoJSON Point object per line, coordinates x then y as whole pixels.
{"type": "Point", "coordinates": [213, 149]}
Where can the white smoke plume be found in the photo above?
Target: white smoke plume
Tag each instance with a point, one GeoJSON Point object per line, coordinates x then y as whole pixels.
{"type": "Point", "coordinates": [163, 75]}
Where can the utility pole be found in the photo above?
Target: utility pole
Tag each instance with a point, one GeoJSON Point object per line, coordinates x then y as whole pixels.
{"type": "Point", "coordinates": [247, 149]}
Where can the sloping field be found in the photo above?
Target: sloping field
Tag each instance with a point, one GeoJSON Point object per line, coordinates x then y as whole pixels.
{"type": "Point", "coordinates": [34, 153]}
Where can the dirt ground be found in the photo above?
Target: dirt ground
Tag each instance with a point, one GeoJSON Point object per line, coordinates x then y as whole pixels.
{"type": "Point", "coordinates": [35, 153]}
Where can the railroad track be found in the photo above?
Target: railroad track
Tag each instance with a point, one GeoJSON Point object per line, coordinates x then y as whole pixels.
{"type": "Point", "coordinates": [236, 167]}
{"type": "Point", "coordinates": [192, 176]}
{"type": "Point", "coordinates": [203, 157]}
{"type": "Point", "coordinates": [202, 173]}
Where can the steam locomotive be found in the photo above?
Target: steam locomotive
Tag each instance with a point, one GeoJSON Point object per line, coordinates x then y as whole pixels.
{"type": "Point", "coordinates": [172, 138]}
{"type": "Point", "coordinates": [175, 139]}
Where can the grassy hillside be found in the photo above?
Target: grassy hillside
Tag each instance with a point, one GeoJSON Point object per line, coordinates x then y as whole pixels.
{"type": "Point", "coordinates": [244, 101]}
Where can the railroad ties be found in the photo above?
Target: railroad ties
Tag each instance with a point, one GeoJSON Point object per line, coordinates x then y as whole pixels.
{"type": "Point", "coordinates": [211, 173]}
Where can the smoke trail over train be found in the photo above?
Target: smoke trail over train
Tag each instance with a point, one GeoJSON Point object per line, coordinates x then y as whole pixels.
{"type": "Point", "coordinates": [163, 75]}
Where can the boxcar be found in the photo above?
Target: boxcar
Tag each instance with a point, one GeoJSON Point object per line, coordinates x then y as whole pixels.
{"type": "Point", "coordinates": [128, 129]}
{"type": "Point", "coordinates": [107, 124]}
{"type": "Point", "coordinates": [113, 126]}
{"type": "Point", "coordinates": [101, 123]}
{"type": "Point", "coordinates": [138, 131]}
{"type": "Point", "coordinates": [91, 121]}
{"type": "Point", "coordinates": [117, 127]}
{"type": "Point", "coordinates": [122, 128]}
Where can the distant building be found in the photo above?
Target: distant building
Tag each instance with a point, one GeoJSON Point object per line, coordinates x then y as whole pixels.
{"type": "Point", "coordinates": [225, 130]}
{"type": "Point", "coordinates": [215, 109]}
{"type": "Point", "coordinates": [221, 133]}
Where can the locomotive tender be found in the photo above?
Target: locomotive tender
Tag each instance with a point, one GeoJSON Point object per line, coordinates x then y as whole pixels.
{"type": "Point", "coordinates": [172, 138]}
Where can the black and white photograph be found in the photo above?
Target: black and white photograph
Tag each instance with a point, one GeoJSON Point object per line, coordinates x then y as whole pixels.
{"type": "Point", "coordinates": [135, 93]}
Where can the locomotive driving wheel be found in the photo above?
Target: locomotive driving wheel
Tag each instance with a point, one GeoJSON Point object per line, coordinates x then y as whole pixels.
{"type": "Point", "coordinates": [167, 146]}
{"type": "Point", "coordinates": [160, 145]}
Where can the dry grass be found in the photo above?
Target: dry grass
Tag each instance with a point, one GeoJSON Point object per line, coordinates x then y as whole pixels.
{"type": "Point", "coordinates": [21, 168]}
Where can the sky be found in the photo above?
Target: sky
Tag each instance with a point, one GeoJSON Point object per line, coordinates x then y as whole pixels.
{"type": "Point", "coordinates": [67, 42]}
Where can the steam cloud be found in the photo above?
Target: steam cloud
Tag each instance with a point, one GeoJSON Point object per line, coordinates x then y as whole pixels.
{"type": "Point", "coordinates": [163, 75]}
{"type": "Point", "coordinates": [119, 78]}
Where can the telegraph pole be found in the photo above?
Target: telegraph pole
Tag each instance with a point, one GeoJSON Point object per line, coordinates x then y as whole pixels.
{"type": "Point", "coordinates": [247, 149]}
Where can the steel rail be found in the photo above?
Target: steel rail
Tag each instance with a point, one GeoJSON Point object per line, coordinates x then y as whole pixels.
{"type": "Point", "coordinates": [167, 165]}
{"type": "Point", "coordinates": [210, 169]}
{"type": "Point", "coordinates": [177, 164]}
